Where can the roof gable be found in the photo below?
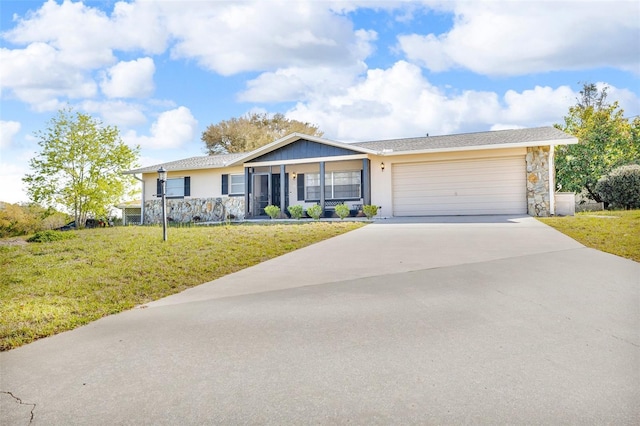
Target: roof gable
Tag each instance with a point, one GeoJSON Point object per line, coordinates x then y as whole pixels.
{"type": "Point", "coordinates": [303, 149]}
{"type": "Point", "coordinates": [263, 151]}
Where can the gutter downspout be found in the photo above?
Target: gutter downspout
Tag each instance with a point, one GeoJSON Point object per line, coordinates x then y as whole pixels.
{"type": "Point", "coordinates": [141, 200]}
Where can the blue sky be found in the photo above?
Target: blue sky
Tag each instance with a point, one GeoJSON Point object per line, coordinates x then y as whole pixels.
{"type": "Point", "coordinates": [162, 71]}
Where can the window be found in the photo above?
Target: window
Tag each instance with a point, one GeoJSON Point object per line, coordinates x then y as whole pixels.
{"type": "Point", "coordinates": [337, 185]}
{"type": "Point", "coordinates": [232, 185]}
{"type": "Point", "coordinates": [176, 187]}
{"type": "Point", "coordinates": [236, 184]}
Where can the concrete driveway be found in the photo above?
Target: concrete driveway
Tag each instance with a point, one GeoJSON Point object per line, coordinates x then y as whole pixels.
{"type": "Point", "coordinates": [485, 320]}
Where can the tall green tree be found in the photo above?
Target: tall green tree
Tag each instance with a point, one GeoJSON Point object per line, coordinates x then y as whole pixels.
{"type": "Point", "coordinates": [606, 140]}
{"type": "Point", "coordinates": [252, 131]}
{"type": "Point", "coordinates": [80, 165]}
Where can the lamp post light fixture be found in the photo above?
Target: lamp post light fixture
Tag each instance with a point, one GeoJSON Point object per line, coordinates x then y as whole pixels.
{"type": "Point", "coordinates": [162, 177]}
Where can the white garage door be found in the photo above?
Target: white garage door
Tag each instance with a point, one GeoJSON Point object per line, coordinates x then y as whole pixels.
{"type": "Point", "coordinates": [465, 187]}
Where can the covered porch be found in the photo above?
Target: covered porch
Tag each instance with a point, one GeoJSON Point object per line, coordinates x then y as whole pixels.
{"type": "Point", "coordinates": [327, 183]}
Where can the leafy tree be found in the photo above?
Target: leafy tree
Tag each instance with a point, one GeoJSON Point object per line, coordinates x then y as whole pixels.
{"type": "Point", "coordinates": [252, 131]}
{"type": "Point", "coordinates": [606, 140]}
{"type": "Point", "coordinates": [80, 166]}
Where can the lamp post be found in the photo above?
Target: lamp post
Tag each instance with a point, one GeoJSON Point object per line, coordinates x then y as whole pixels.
{"type": "Point", "coordinates": [162, 177]}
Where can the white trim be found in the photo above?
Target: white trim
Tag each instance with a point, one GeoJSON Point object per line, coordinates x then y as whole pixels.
{"type": "Point", "coordinates": [386, 153]}
{"type": "Point", "coordinates": [308, 160]}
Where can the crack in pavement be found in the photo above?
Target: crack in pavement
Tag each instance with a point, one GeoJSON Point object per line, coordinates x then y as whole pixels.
{"type": "Point", "coordinates": [22, 403]}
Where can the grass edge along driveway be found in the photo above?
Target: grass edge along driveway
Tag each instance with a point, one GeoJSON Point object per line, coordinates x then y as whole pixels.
{"type": "Point", "coordinates": [47, 288]}
{"type": "Point", "coordinates": [616, 232]}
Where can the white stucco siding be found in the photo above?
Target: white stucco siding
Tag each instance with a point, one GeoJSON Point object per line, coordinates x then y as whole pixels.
{"type": "Point", "coordinates": [460, 187]}
{"type": "Point", "coordinates": [205, 183]}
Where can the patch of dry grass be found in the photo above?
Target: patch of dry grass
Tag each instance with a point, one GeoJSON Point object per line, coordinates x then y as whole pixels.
{"type": "Point", "coordinates": [47, 288]}
{"type": "Point", "coordinates": [615, 232]}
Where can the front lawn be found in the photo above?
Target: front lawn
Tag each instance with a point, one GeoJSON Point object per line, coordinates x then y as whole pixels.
{"type": "Point", "coordinates": [615, 232]}
{"type": "Point", "coordinates": [47, 288]}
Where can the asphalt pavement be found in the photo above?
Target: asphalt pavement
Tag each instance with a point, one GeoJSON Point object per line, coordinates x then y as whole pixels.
{"type": "Point", "coordinates": [476, 320]}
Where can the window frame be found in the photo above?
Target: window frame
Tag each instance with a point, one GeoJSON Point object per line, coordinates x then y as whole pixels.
{"type": "Point", "coordinates": [330, 185]}
{"type": "Point", "coordinates": [232, 184]}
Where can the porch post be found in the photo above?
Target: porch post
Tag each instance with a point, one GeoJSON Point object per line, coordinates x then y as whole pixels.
{"type": "Point", "coordinates": [282, 189]}
{"type": "Point", "coordinates": [322, 194]}
{"type": "Point", "coordinates": [247, 187]}
{"type": "Point", "coordinates": [366, 181]}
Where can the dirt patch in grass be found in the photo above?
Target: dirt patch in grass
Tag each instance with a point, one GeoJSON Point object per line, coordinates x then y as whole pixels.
{"type": "Point", "coordinates": [47, 288]}
{"type": "Point", "coordinates": [615, 232]}
{"type": "Point", "coordinates": [13, 242]}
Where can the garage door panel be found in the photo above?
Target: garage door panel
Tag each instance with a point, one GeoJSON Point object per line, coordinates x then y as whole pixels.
{"type": "Point", "coordinates": [487, 186]}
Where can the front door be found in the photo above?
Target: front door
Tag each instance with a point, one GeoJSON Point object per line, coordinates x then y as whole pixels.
{"type": "Point", "coordinates": [275, 190]}
{"type": "Point", "coordinates": [261, 197]}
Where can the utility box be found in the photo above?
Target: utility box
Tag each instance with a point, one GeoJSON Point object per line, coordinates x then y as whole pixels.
{"type": "Point", "coordinates": [565, 203]}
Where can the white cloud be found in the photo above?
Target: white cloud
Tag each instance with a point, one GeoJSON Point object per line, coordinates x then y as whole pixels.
{"type": "Point", "coordinates": [172, 129]}
{"type": "Point", "coordinates": [231, 37]}
{"type": "Point", "coordinates": [38, 75]}
{"type": "Point", "coordinates": [504, 37]}
{"type": "Point", "coordinates": [401, 102]}
{"type": "Point", "coordinates": [117, 113]}
{"type": "Point", "coordinates": [8, 130]}
{"type": "Point", "coordinates": [64, 43]}
{"type": "Point", "coordinates": [129, 79]}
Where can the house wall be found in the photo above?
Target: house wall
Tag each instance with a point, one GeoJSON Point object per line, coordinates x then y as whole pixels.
{"type": "Point", "coordinates": [205, 183]}
{"type": "Point", "coordinates": [206, 187]}
{"type": "Point", "coordinates": [193, 209]}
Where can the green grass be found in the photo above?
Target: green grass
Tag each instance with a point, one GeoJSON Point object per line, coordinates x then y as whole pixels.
{"type": "Point", "coordinates": [615, 232]}
{"type": "Point", "coordinates": [47, 288]}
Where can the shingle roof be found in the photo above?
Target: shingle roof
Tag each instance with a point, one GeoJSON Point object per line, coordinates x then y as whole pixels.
{"type": "Point", "coordinates": [463, 140]}
{"type": "Point", "coordinates": [521, 137]}
{"type": "Point", "coordinates": [192, 163]}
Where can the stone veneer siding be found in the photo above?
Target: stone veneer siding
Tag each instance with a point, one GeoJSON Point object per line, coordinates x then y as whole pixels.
{"type": "Point", "coordinates": [538, 194]}
{"type": "Point", "coordinates": [184, 210]}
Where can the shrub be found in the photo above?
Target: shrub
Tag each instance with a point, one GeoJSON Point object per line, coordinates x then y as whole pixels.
{"type": "Point", "coordinates": [314, 211]}
{"type": "Point", "coordinates": [370, 211]}
{"type": "Point", "coordinates": [342, 210]}
{"type": "Point", "coordinates": [48, 236]}
{"type": "Point", "coordinates": [272, 211]}
{"type": "Point", "coordinates": [621, 187]}
{"type": "Point", "coordinates": [296, 211]}
{"type": "Point", "coordinates": [17, 220]}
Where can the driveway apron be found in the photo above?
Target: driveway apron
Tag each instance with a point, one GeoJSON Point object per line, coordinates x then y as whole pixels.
{"type": "Point", "coordinates": [488, 320]}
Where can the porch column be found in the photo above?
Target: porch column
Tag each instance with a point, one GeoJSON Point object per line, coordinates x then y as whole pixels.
{"type": "Point", "coordinates": [366, 181]}
{"type": "Point", "coordinates": [247, 188]}
{"type": "Point", "coordinates": [322, 195]}
{"type": "Point", "coordinates": [282, 189]}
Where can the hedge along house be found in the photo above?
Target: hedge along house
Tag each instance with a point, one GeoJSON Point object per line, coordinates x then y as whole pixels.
{"type": "Point", "coordinates": [497, 172]}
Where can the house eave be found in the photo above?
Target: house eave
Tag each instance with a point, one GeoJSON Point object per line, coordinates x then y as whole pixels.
{"type": "Point", "coordinates": [146, 170]}
{"type": "Point", "coordinates": [568, 141]}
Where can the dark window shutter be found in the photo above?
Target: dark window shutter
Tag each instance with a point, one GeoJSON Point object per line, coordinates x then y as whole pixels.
{"type": "Point", "coordinates": [187, 186]}
{"type": "Point", "coordinates": [158, 188]}
{"type": "Point", "coordinates": [300, 179]}
{"type": "Point", "coordinates": [225, 184]}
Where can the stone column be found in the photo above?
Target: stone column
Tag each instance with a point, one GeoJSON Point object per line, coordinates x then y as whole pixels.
{"type": "Point", "coordinates": [538, 189]}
